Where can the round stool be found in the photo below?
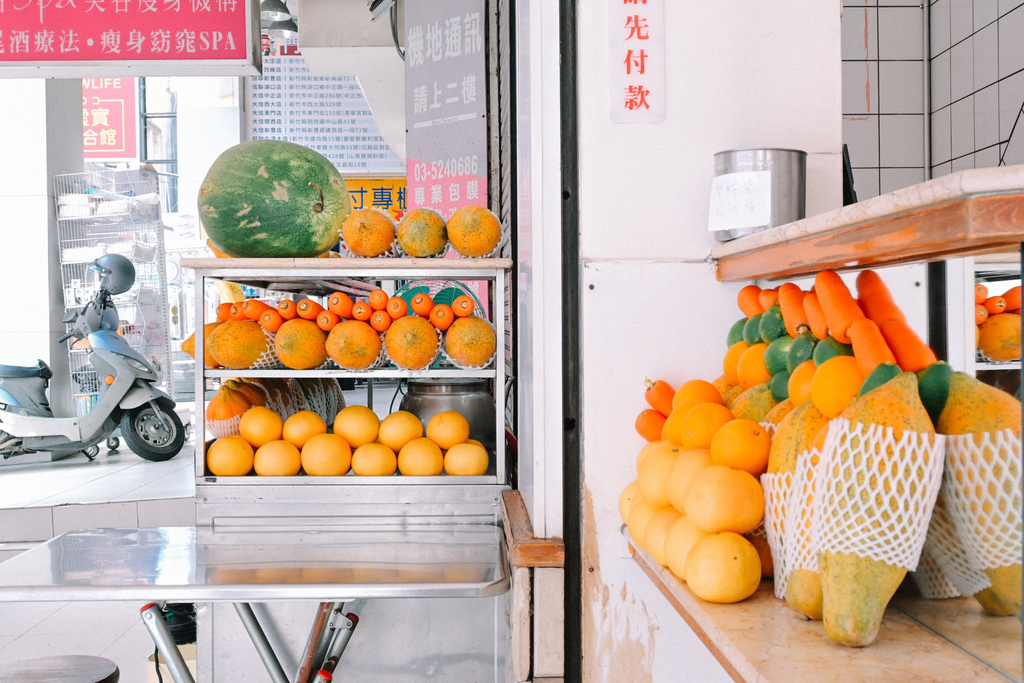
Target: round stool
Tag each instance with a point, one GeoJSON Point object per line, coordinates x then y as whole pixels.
{"type": "Point", "coordinates": [61, 669]}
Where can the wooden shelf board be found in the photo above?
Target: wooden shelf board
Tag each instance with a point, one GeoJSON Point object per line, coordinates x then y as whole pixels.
{"type": "Point", "coordinates": [525, 549]}
{"type": "Point", "coordinates": [761, 640]}
{"type": "Point", "coordinates": [972, 212]}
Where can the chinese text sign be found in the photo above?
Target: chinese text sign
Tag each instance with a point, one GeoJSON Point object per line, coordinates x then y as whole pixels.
{"type": "Point", "coordinates": [740, 200]}
{"type": "Point", "coordinates": [636, 61]}
{"type": "Point", "coordinates": [109, 122]}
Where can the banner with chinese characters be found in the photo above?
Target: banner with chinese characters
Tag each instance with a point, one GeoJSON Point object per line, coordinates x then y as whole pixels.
{"type": "Point", "coordinates": [637, 61]}
{"type": "Point", "coordinates": [446, 104]}
{"type": "Point", "coordinates": [56, 37]}
{"type": "Point", "coordinates": [109, 121]}
{"type": "Point", "coordinates": [386, 194]}
{"type": "Point", "coordinates": [328, 114]}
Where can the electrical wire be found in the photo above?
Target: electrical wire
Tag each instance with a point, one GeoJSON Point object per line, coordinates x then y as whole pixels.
{"type": "Point", "coordinates": [398, 389]}
{"type": "Point", "coordinates": [394, 30]}
{"type": "Point", "coordinates": [156, 665]}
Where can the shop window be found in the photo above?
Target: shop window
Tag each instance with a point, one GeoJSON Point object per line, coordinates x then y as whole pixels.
{"type": "Point", "coordinates": [158, 143]}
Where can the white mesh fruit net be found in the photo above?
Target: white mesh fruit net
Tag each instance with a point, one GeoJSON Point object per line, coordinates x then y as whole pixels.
{"type": "Point", "coordinates": [930, 580]}
{"type": "Point", "coordinates": [222, 428]}
{"type": "Point", "coordinates": [267, 360]}
{"type": "Point", "coordinates": [769, 429]}
{"type": "Point", "coordinates": [944, 546]}
{"type": "Point", "coordinates": [875, 492]}
{"type": "Point", "coordinates": [776, 494]}
{"type": "Point", "coordinates": [801, 551]}
{"type": "Point", "coordinates": [982, 490]}
{"type": "Point", "coordinates": [323, 396]}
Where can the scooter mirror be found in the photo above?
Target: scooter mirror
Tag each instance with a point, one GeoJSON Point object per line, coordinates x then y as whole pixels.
{"type": "Point", "coordinates": [69, 316]}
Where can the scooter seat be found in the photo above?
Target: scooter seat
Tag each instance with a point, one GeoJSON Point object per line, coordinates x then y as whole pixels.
{"type": "Point", "coordinates": [41, 369]}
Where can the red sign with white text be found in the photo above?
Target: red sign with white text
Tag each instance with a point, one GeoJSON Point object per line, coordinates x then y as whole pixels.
{"type": "Point", "coordinates": [113, 30]}
{"type": "Point", "coordinates": [109, 122]}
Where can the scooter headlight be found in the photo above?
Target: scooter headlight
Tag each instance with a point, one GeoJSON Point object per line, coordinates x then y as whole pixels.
{"type": "Point", "coordinates": [138, 365]}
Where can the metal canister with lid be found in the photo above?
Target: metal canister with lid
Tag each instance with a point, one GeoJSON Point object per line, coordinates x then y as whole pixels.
{"type": "Point", "coordinates": [470, 397]}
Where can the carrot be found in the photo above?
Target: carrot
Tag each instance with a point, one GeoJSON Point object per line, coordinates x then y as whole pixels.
{"type": "Point", "coordinates": [869, 346]}
{"type": "Point", "coordinates": [236, 312]}
{"type": "Point", "coordinates": [1012, 296]}
{"type": "Point", "coordinates": [980, 293]}
{"type": "Point", "coordinates": [288, 309]}
{"type": "Point", "coordinates": [659, 395]}
{"type": "Point", "coordinates": [912, 354]}
{"type": "Point", "coordinates": [649, 424]}
{"type": "Point", "coordinates": [340, 304]}
{"type": "Point", "coordinates": [791, 301]}
{"type": "Point", "coordinates": [980, 314]}
{"type": "Point", "coordinates": [767, 298]}
{"type": "Point", "coordinates": [995, 305]}
{"type": "Point", "coordinates": [815, 316]}
{"type": "Point", "coordinates": [253, 308]}
{"type": "Point", "coordinates": [875, 299]}
{"type": "Point", "coordinates": [327, 320]}
{"type": "Point", "coordinates": [309, 309]}
{"type": "Point", "coordinates": [271, 320]}
{"type": "Point", "coordinates": [841, 309]}
{"type": "Point", "coordinates": [748, 302]}
{"type": "Point", "coordinates": [224, 311]}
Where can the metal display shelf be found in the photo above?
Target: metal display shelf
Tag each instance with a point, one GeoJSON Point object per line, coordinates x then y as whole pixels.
{"type": "Point", "coordinates": [321, 274]}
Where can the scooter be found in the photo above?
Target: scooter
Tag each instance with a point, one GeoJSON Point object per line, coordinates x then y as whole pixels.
{"type": "Point", "coordinates": [127, 395]}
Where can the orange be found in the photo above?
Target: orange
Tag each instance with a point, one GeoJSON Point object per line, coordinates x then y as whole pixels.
{"type": "Point", "coordinates": [743, 444]}
{"type": "Point", "coordinates": [361, 310]}
{"type": "Point", "coordinates": [396, 307]}
{"type": "Point", "coordinates": [448, 428]}
{"type": "Point", "coordinates": [442, 316]}
{"type": "Point", "coordinates": [300, 344]}
{"type": "Point", "coordinates": [723, 567]}
{"type": "Point", "coordinates": [470, 342]}
{"type": "Point", "coordinates": [629, 494]}
{"type": "Point", "coordinates": [653, 476]}
{"type": "Point", "coordinates": [380, 321]}
{"type": "Point", "coordinates": [357, 424]}
{"type": "Point", "coordinates": [672, 430]}
{"type": "Point", "coordinates": [421, 457]}
{"type": "Point", "coordinates": [398, 429]}
{"type": "Point", "coordinates": [750, 368]}
{"type": "Point", "coordinates": [701, 423]}
{"type": "Point", "coordinates": [474, 231]}
{"type": "Point", "coordinates": [685, 466]}
{"type": "Point", "coordinates": [260, 425]}
{"type": "Point", "coordinates": [800, 383]}
{"type": "Point", "coordinates": [374, 460]}
{"type": "Point", "coordinates": [231, 456]}
{"type": "Point", "coordinates": [303, 425]}
{"type": "Point", "coordinates": [368, 232]}
{"type": "Point", "coordinates": [411, 343]}
{"type": "Point", "coordinates": [678, 542]}
{"type": "Point", "coordinates": [326, 455]}
{"type": "Point", "coordinates": [764, 552]}
{"type": "Point", "coordinates": [422, 233]}
{"type": "Point", "coordinates": [835, 384]}
{"type": "Point", "coordinates": [353, 344]}
{"type": "Point", "coordinates": [466, 459]}
{"type": "Point", "coordinates": [722, 498]}
{"type": "Point", "coordinates": [463, 306]}
{"type": "Point", "coordinates": [422, 304]}
{"type": "Point", "coordinates": [697, 390]}
{"type": "Point", "coordinates": [731, 362]}
{"type": "Point", "coordinates": [657, 529]}
{"type": "Point", "coordinates": [277, 459]}
{"type": "Point", "coordinates": [640, 513]}
{"type": "Point", "coordinates": [652, 448]}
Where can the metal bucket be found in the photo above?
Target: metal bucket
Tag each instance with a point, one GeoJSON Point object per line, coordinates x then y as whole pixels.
{"type": "Point", "coordinates": [788, 169]}
{"type": "Point", "coordinates": [470, 397]}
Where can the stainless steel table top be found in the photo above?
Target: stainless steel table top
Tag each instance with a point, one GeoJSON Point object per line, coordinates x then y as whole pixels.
{"type": "Point", "coordinates": [189, 564]}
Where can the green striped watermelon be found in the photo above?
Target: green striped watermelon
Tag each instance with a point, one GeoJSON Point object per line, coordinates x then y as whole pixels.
{"type": "Point", "coordinates": [270, 198]}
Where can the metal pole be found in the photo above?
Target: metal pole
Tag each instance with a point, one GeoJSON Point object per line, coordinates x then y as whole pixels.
{"type": "Point", "coordinates": [306, 666]}
{"type": "Point", "coordinates": [340, 642]}
{"type": "Point", "coordinates": [328, 635]}
{"type": "Point", "coordinates": [165, 645]}
{"type": "Point", "coordinates": [259, 639]}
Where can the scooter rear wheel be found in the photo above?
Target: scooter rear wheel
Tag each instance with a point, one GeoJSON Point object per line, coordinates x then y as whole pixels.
{"type": "Point", "coordinates": [145, 434]}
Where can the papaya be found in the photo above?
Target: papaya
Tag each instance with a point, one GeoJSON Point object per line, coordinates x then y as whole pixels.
{"type": "Point", "coordinates": [776, 414]}
{"type": "Point", "coordinates": [999, 337]}
{"type": "Point", "coordinates": [933, 388]}
{"type": "Point", "coordinates": [855, 590]}
{"type": "Point", "coordinates": [882, 373]}
{"type": "Point", "coordinates": [794, 435]}
{"type": "Point", "coordinates": [754, 403]}
{"type": "Point", "coordinates": [189, 345]}
{"type": "Point", "coordinates": [729, 397]}
{"type": "Point", "coordinates": [1002, 598]}
{"type": "Point", "coordinates": [722, 384]}
{"type": "Point", "coordinates": [803, 593]}
{"type": "Point", "coordinates": [237, 344]}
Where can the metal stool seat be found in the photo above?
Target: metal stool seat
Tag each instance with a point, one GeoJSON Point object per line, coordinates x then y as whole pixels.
{"type": "Point", "coordinates": [61, 669]}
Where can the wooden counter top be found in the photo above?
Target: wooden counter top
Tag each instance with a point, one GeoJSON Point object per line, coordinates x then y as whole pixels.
{"type": "Point", "coordinates": [761, 640]}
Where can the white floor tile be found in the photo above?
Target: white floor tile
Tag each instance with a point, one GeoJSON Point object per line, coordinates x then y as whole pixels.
{"type": "Point", "coordinates": [87, 641]}
{"type": "Point", "coordinates": [131, 652]}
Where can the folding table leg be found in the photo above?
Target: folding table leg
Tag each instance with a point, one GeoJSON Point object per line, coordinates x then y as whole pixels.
{"type": "Point", "coordinates": [324, 616]}
{"type": "Point", "coordinates": [259, 639]}
{"type": "Point", "coordinates": [338, 645]}
{"type": "Point", "coordinates": [165, 645]}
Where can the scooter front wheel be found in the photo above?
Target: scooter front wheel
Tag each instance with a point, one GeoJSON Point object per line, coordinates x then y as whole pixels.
{"type": "Point", "coordinates": [147, 436]}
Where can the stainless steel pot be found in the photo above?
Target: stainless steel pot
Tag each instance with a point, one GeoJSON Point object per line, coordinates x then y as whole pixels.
{"type": "Point", "coordinates": [788, 168]}
{"type": "Point", "coordinates": [470, 397]}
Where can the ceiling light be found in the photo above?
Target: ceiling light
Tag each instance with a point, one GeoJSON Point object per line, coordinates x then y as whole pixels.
{"type": "Point", "coordinates": [378, 7]}
{"type": "Point", "coordinates": [283, 30]}
{"type": "Point", "coordinates": [274, 10]}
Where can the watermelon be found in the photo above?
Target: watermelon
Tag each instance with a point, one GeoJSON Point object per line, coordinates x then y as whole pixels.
{"type": "Point", "coordinates": [271, 198]}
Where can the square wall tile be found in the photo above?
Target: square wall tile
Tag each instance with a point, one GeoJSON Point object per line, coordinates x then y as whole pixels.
{"type": "Point", "coordinates": [899, 33]}
{"type": "Point", "coordinates": [859, 37]}
{"type": "Point", "coordinates": [26, 524]}
{"type": "Point", "coordinates": [985, 12]}
{"type": "Point", "coordinates": [940, 81]}
{"type": "Point", "coordinates": [901, 140]}
{"type": "Point", "coordinates": [986, 56]}
{"type": "Point", "coordinates": [961, 20]}
{"type": "Point", "coordinates": [961, 125]}
{"type": "Point", "coordinates": [95, 516]}
{"type": "Point", "coordinates": [860, 88]}
{"type": "Point", "coordinates": [987, 158]}
{"type": "Point", "coordinates": [865, 183]}
{"type": "Point", "coordinates": [1007, 6]}
{"type": "Point", "coordinates": [939, 29]}
{"type": "Point", "coordinates": [892, 179]}
{"type": "Point", "coordinates": [961, 69]}
{"type": "Point", "coordinates": [1011, 43]}
{"type": "Point", "coordinates": [1011, 100]}
{"type": "Point", "coordinates": [941, 137]}
{"type": "Point", "coordinates": [986, 117]}
{"type": "Point", "coordinates": [860, 133]}
{"type": "Point", "coordinates": [942, 169]}
{"type": "Point", "coordinates": [964, 163]}
{"type": "Point", "coordinates": [1013, 152]}
{"type": "Point", "coordinates": [900, 87]}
